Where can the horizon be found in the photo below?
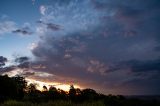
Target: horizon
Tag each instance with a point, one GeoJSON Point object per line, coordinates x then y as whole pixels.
{"type": "Point", "coordinates": [111, 46]}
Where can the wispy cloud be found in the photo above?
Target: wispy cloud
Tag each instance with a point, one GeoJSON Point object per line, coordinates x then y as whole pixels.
{"type": "Point", "coordinates": [42, 9]}
{"type": "Point", "coordinates": [25, 29]}
{"type": "Point", "coordinates": [33, 2]}
{"type": "Point", "coordinates": [7, 27]}
{"type": "Point", "coordinates": [51, 26]}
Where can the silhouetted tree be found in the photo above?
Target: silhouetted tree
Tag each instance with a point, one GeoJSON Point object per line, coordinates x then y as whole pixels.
{"type": "Point", "coordinates": [32, 87]}
{"type": "Point", "coordinates": [53, 93]}
{"type": "Point", "coordinates": [21, 85]}
{"type": "Point", "coordinates": [45, 88]}
{"type": "Point", "coordinates": [16, 87]}
{"type": "Point", "coordinates": [33, 93]}
{"type": "Point", "coordinates": [63, 94]}
{"type": "Point", "coordinates": [8, 88]}
{"type": "Point", "coordinates": [72, 93]}
{"type": "Point", "coordinates": [89, 94]}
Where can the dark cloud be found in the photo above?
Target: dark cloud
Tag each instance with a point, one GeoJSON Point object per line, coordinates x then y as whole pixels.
{"type": "Point", "coordinates": [157, 48]}
{"type": "Point", "coordinates": [144, 66]}
{"type": "Point", "coordinates": [7, 69]}
{"type": "Point", "coordinates": [51, 26]}
{"type": "Point", "coordinates": [3, 60]}
{"type": "Point", "coordinates": [145, 86]}
{"type": "Point", "coordinates": [22, 63]}
{"type": "Point", "coordinates": [23, 31]}
{"type": "Point", "coordinates": [117, 47]}
{"type": "Point", "coordinates": [137, 66]}
{"type": "Point", "coordinates": [22, 59]}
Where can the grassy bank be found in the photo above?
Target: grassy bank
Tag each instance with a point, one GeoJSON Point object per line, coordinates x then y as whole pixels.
{"type": "Point", "coordinates": [51, 103]}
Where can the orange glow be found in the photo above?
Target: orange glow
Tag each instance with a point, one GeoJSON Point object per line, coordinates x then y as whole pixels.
{"type": "Point", "coordinates": [40, 84]}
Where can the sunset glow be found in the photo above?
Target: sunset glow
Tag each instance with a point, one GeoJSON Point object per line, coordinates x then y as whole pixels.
{"type": "Point", "coordinates": [40, 85]}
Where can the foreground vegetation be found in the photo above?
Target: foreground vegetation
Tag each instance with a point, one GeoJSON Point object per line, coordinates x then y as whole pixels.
{"type": "Point", "coordinates": [14, 91]}
{"type": "Point", "coordinates": [51, 103]}
{"type": "Point", "coordinates": [91, 103]}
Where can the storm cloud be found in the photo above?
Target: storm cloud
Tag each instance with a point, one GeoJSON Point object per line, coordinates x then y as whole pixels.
{"type": "Point", "coordinates": [99, 42]}
{"type": "Point", "coordinates": [109, 45]}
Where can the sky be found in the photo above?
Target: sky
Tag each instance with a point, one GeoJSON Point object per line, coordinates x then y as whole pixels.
{"type": "Point", "coordinates": [112, 46]}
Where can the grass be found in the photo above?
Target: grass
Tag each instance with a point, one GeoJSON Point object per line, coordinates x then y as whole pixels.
{"type": "Point", "coordinates": [51, 103]}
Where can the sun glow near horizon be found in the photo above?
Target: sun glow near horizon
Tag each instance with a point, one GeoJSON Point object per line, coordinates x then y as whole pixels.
{"type": "Point", "coordinates": [41, 83]}
{"type": "Point", "coordinates": [58, 85]}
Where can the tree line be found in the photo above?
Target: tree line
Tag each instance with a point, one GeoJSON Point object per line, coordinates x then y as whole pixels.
{"type": "Point", "coordinates": [16, 88]}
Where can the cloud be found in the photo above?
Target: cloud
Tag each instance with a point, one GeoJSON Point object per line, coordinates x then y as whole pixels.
{"type": "Point", "coordinates": [108, 45]}
{"type": "Point", "coordinates": [98, 41]}
{"type": "Point", "coordinates": [7, 27]}
{"type": "Point", "coordinates": [32, 46]}
{"type": "Point", "coordinates": [157, 48]}
{"type": "Point", "coordinates": [26, 74]}
{"type": "Point", "coordinates": [33, 2]}
{"type": "Point", "coordinates": [51, 26]}
{"type": "Point", "coordinates": [20, 63]}
{"type": "Point", "coordinates": [138, 68]}
{"type": "Point", "coordinates": [3, 60]}
{"type": "Point", "coordinates": [96, 66]}
{"type": "Point", "coordinates": [144, 66]}
{"type": "Point", "coordinates": [21, 67]}
{"type": "Point", "coordinates": [21, 59]}
{"type": "Point", "coordinates": [42, 9]}
{"type": "Point", "coordinates": [23, 31]}
{"type": "Point", "coordinates": [7, 69]}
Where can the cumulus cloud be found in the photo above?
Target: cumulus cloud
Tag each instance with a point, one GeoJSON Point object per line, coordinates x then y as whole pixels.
{"type": "Point", "coordinates": [30, 71]}
{"type": "Point", "coordinates": [98, 39]}
{"type": "Point", "coordinates": [32, 46]}
{"type": "Point", "coordinates": [97, 66]}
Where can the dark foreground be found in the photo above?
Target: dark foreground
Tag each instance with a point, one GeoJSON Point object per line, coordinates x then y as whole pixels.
{"type": "Point", "coordinates": [86, 103]}
{"type": "Point", "coordinates": [14, 91]}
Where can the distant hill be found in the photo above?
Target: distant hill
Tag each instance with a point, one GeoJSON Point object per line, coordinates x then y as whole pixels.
{"type": "Point", "coordinates": [144, 97]}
